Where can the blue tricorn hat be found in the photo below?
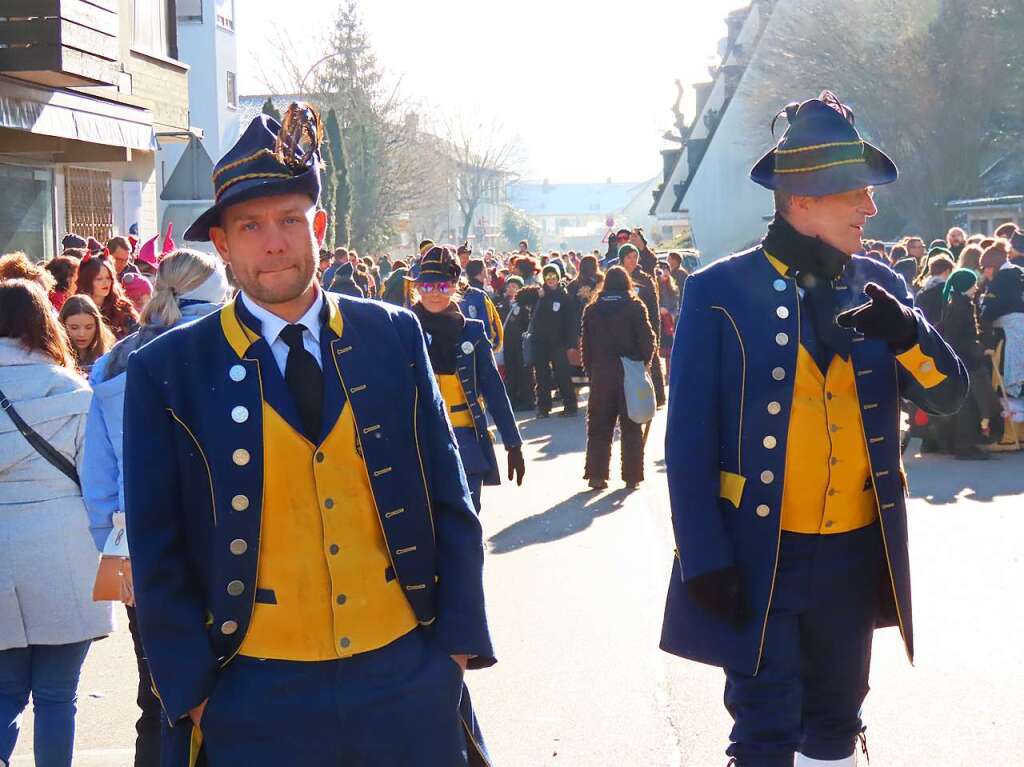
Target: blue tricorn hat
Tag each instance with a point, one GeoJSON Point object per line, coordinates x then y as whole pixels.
{"type": "Point", "coordinates": [270, 159]}
{"type": "Point", "coordinates": [437, 265]}
{"type": "Point", "coordinates": [822, 153]}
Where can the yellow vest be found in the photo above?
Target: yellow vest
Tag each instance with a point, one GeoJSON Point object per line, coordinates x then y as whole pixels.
{"type": "Point", "coordinates": [827, 487]}
{"type": "Point", "coordinates": [323, 578]}
{"type": "Point", "coordinates": [454, 397]}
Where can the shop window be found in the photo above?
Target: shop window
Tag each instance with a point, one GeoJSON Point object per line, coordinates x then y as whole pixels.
{"type": "Point", "coordinates": [26, 217]}
{"type": "Point", "coordinates": [88, 202]}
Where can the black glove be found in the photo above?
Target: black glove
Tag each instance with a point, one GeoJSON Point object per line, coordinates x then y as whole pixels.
{"type": "Point", "coordinates": [516, 465]}
{"type": "Point", "coordinates": [883, 318]}
{"type": "Point", "coordinates": [720, 593]}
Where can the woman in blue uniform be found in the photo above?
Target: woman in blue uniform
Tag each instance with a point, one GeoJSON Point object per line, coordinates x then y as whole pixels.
{"type": "Point", "coordinates": [467, 376]}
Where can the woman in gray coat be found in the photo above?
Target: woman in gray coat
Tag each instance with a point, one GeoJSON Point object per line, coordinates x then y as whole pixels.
{"type": "Point", "coordinates": [49, 561]}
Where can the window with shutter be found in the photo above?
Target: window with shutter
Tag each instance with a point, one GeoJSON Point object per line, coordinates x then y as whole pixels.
{"type": "Point", "coordinates": [190, 10]}
{"type": "Point", "coordinates": [226, 14]}
{"type": "Point", "coordinates": [152, 27]}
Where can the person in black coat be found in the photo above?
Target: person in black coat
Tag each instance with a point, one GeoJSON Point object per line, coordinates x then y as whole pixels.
{"type": "Point", "coordinates": [962, 432]}
{"type": "Point", "coordinates": [519, 378]}
{"type": "Point", "coordinates": [647, 291]}
{"type": "Point", "coordinates": [344, 282]}
{"type": "Point", "coordinates": [930, 299]}
{"type": "Point", "coordinates": [614, 326]}
{"type": "Point", "coordinates": [555, 330]}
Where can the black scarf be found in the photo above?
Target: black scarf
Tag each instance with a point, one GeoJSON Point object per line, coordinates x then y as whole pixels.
{"type": "Point", "coordinates": [815, 264]}
{"type": "Point", "coordinates": [443, 330]}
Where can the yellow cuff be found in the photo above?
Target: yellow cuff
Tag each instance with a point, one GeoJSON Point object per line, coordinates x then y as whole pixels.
{"type": "Point", "coordinates": [921, 366]}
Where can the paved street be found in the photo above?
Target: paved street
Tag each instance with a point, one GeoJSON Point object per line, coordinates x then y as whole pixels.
{"type": "Point", "coordinates": [576, 585]}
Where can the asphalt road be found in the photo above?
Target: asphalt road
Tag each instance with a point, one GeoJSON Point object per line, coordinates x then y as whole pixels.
{"type": "Point", "coordinates": [576, 584]}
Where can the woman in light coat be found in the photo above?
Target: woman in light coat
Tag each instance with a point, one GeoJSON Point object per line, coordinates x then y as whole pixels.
{"type": "Point", "coordinates": [188, 285]}
{"type": "Point", "coordinates": [48, 561]}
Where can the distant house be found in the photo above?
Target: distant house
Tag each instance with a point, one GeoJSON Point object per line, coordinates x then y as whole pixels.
{"type": "Point", "coordinates": [579, 216]}
{"type": "Point", "coordinates": [705, 186]}
{"type": "Point", "coordinates": [207, 43]}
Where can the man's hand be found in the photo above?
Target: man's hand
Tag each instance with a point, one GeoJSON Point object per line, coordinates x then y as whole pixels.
{"type": "Point", "coordinates": [461, 660]}
{"type": "Point", "coordinates": [196, 714]}
{"type": "Point", "coordinates": [516, 465]}
{"type": "Point", "coordinates": [883, 317]}
{"type": "Point", "coordinates": [721, 593]}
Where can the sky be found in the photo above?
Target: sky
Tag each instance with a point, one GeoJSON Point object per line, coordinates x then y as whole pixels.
{"type": "Point", "coordinates": [586, 87]}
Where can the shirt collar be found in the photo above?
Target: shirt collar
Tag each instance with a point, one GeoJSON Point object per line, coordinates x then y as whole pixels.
{"type": "Point", "coordinates": [272, 325]}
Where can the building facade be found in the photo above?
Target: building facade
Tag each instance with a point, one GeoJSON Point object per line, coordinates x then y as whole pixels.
{"type": "Point", "coordinates": [88, 90]}
{"type": "Point", "coordinates": [206, 31]}
{"type": "Point", "coordinates": [705, 187]}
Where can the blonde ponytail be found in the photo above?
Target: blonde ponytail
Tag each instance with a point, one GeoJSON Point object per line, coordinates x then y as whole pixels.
{"type": "Point", "coordinates": [180, 271]}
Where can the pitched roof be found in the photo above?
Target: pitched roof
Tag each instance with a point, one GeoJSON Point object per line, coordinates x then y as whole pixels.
{"type": "Point", "coordinates": [192, 178]}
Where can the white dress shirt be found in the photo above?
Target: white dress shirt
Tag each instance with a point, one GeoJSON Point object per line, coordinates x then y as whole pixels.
{"type": "Point", "coordinates": [273, 325]}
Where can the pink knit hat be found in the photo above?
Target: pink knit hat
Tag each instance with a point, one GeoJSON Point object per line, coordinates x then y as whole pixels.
{"type": "Point", "coordinates": [136, 287]}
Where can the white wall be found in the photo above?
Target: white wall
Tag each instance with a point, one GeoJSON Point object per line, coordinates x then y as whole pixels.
{"type": "Point", "coordinates": [211, 52]}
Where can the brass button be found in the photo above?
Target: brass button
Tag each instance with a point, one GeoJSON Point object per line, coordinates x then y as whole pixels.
{"type": "Point", "coordinates": [767, 477]}
{"type": "Point", "coordinates": [228, 627]}
{"type": "Point", "coordinates": [782, 313]}
{"type": "Point", "coordinates": [335, 548]}
{"type": "Point", "coordinates": [239, 503]}
{"type": "Point", "coordinates": [779, 285]}
{"type": "Point", "coordinates": [344, 642]}
{"type": "Point", "coordinates": [763, 511]}
{"type": "Point", "coordinates": [831, 491]}
{"type": "Point", "coordinates": [235, 588]}
{"type": "Point", "coordinates": [238, 547]}
{"type": "Point", "coordinates": [828, 395]}
{"type": "Point", "coordinates": [781, 339]}
{"type": "Point", "coordinates": [774, 408]}
{"type": "Point", "coordinates": [779, 374]}
{"type": "Point", "coordinates": [770, 442]}
{"type": "Point", "coordinates": [241, 457]}
{"type": "Point", "coordinates": [320, 457]}
{"type": "Point", "coordinates": [329, 503]}
{"type": "Point", "coordinates": [239, 414]}
{"type": "Point", "coordinates": [342, 599]}
{"type": "Point", "coordinates": [236, 373]}
{"type": "Point", "coordinates": [926, 367]}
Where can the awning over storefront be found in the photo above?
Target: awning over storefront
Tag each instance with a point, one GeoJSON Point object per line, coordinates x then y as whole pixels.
{"type": "Point", "coordinates": [69, 115]}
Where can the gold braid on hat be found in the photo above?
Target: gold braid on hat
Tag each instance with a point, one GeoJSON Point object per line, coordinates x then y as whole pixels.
{"type": "Point", "coordinates": [298, 143]}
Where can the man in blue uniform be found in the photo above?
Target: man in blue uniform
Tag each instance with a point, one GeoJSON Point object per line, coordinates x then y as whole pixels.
{"type": "Point", "coordinates": [307, 560]}
{"type": "Point", "coordinates": [783, 452]}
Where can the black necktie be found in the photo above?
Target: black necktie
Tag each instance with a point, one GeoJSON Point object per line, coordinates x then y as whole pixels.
{"type": "Point", "coordinates": [305, 381]}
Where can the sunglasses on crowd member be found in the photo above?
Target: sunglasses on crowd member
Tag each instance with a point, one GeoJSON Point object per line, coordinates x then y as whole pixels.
{"type": "Point", "coordinates": [444, 288]}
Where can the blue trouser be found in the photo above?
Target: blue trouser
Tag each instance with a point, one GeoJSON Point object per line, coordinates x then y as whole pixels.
{"type": "Point", "coordinates": [50, 674]}
{"type": "Point", "coordinates": [476, 484]}
{"type": "Point", "coordinates": [813, 679]}
{"type": "Point", "coordinates": [393, 707]}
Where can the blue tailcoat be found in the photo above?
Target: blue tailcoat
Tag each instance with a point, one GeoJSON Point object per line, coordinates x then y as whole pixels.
{"type": "Point", "coordinates": [478, 373]}
{"type": "Point", "coordinates": [194, 397]}
{"type": "Point", "coordinates": [725, 400]}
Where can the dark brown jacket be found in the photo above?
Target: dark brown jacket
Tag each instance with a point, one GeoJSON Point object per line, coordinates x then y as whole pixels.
{"type": "Point", "coordinates": [614, 326]}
